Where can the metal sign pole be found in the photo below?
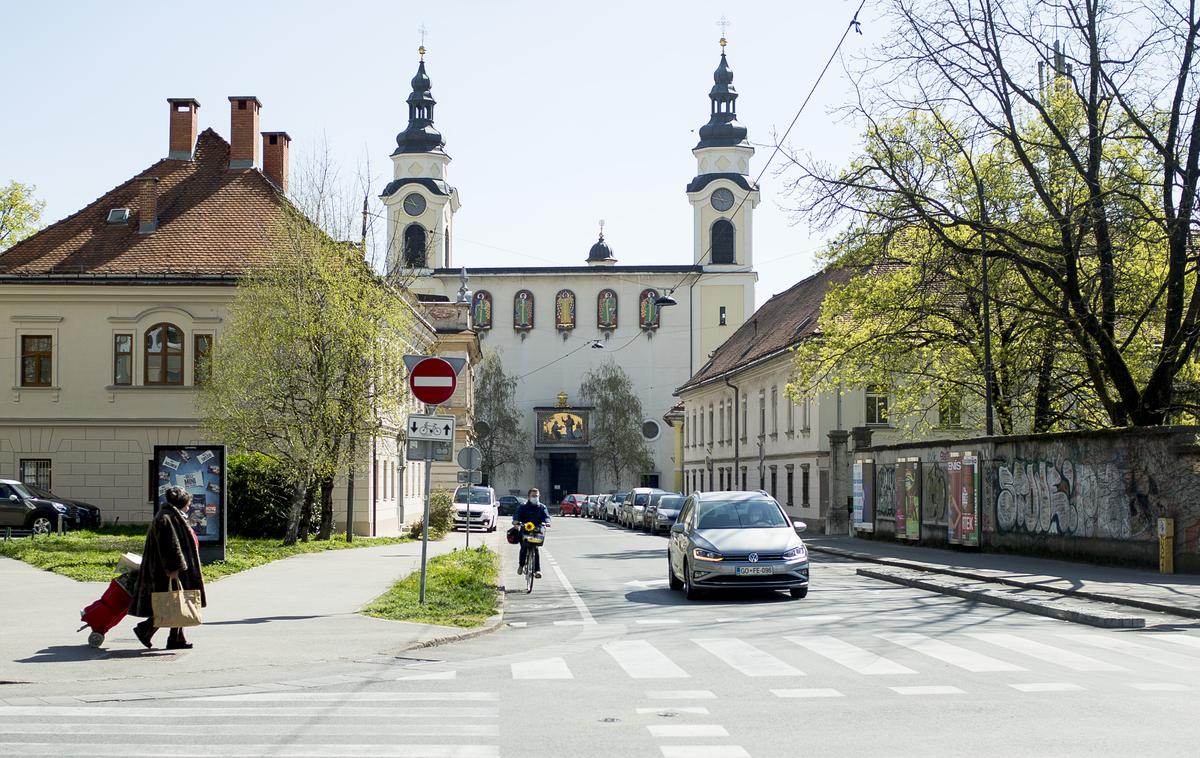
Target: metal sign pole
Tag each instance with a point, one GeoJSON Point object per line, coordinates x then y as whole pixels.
{"type": "Point", "coordinates": [425, 532]}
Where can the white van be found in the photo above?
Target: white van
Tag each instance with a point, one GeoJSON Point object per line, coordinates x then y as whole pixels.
{"type": "Point", "coordinates": [483, 506]}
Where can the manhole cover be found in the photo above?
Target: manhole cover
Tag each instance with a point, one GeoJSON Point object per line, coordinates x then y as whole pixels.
{"type": "Point", "coordinates": [609, 720]}
{"type": "Point", "coordinates": [668, 714]}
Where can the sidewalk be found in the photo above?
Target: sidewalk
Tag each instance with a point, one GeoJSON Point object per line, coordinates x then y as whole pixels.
{"type": "Point", "coordinates": [1177, 594]}
{"type": "Point", "coordinates": [270, 621]}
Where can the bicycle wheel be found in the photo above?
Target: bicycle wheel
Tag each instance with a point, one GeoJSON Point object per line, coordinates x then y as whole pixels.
{"type": "Point", "coordinates": [530, 562]}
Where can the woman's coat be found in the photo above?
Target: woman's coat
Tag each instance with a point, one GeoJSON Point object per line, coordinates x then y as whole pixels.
{"type": "Point", "coordinates": [170, 546]}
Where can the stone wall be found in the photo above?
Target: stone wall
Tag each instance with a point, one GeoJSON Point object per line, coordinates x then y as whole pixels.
{"type": "Point", "coordinates": [1095, 495]}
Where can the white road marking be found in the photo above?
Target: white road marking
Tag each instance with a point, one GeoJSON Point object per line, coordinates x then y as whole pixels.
{"type": "Point", "coordinates": [546, 668]}
{"type": "Point", "coordinates": [205, 749]}
{"type": "Point", "coordinates": [263, 728]}
{"type": "Point", "coordinates": [681, 695]}
{"type": "Point", "coordinates": [933, 689]}
{"type": "Point", "coordinates": [433, 675]}
{"type": "Point", "coordinates": [651, 622]}
{"type": "Point", "coordinates": [518, 624]}
{"type": "Point", "coordinates": [1047, 687]}
{"type": "Point", "coordinates": [346, 697]}
{"type": "Point", "coordinates": [1125, 646]}
{"type": "Point", "coordinates": [691, 709]}
{"type": "Point", "coordinates": [1161, 687]}
{"type": "Point", "coordinates": [853, 658]}
{"type": "Point", "coordinates": [1047, 653]}
{"type": "Point", "coordinates": [735, 619]}
{"type": "Point", "coordinates": [952, 654]}
{"type": "Point", "coordinates": [199, 712]}
{"type": "Point", "coordinates": [819, 619]}
{"type": "Point", "coordinates": [572, 622]}
{"type": "Point", "coordinates": [1180, 639]}
{"type": "Point", "coordinates": [746, 658]}
{"type": "Point", "coordinates": [584, 613]}
{"type": "Point", "coordinates": [704, 751]}
{"type": "Point", "coordinates": [687, 730]}
{"type": "Point", "coordinates": [803, 693]}
{"type": "Point", "coordinates": [641, 660]}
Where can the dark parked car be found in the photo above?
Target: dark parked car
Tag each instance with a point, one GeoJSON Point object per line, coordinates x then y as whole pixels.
{"type": "Point", "coordinates": [663, 513]}
{"type": "Point", "coordinates": [83, 515]}
{"type": "Point", "coordinates": [21, 509]}
{"type": "Point", "coordinates": [509, 505]}
{"type": "Point", "coordinates": [647, 521]}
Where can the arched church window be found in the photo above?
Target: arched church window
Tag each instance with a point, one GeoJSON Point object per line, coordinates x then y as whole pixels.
{"type": "Point", "coordinates": [648, 309]}
{"type": "Point", "coordinates": [414, 246]}
{"type": "Point", "coordinates": [481, 309]}
{"type": "Point", "coordinates": [723, 242]}
{"type": "Point", "coordinates": [564, 310]}
{"type": "Point", "coordinates": [523, 310]}
{"type": "Point", "coordinates": [606, 309]}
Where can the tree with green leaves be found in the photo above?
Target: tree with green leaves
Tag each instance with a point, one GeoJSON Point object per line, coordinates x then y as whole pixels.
{"type": "Point", "coordinates": [506, 444]}
{"type": "Point", "coordinates": [617, 443]}
{"type": "Point", "coordinates": [20, 213]}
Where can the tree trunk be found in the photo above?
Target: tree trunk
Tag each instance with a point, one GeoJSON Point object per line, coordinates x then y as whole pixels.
{"type": "Point", "coordinates": [310, 495]}
{"type": "Point", "coordinates": [298, 490]}
{"type": "Point", "coordinates": [326, 528]}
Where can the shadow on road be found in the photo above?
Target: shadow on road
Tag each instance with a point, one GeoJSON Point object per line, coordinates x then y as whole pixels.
{"type": "Point", "coordinates": [665, 596]}
{"type": "Point", "coordinates": [76, 653]}
{"type": "Point", "coordinates": [264, 620]}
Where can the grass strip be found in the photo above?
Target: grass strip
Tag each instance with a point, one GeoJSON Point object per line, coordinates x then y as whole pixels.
{"type": "Point", "coordinates": [460, 590]}
{"type": "Point", "coordinates": [89, 556]}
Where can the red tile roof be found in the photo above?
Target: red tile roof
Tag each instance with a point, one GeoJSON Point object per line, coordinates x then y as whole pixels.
{"type": "Point", "coordinates": [783, 321]}
{"type": "Point", "coordinates": [212, 221]}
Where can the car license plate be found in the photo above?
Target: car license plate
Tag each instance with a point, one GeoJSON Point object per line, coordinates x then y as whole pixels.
{"type": "Point", "coordinates": [753, 570]}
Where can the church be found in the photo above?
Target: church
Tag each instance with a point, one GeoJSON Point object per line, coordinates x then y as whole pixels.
{"type": "Point", "coordinates": [550, 325]}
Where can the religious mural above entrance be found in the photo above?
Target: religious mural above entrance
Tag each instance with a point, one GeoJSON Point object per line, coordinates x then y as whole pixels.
{"type": "Point", "coordinates": [563, 426]}
{"type": "Point", "coordinates": [606, 309]}
{"type": "Point", "coordinates": [564, 310]}
{"type": "Point", "coordinates": [648, 309]}
{"type": "Point", "coordinates": [523, 310]}
{"type": "Point", "coordinates": [481, 309]}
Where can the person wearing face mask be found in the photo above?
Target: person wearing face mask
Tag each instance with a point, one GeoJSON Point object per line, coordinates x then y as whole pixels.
{"type": "Point", "coordinates": [531, 511]}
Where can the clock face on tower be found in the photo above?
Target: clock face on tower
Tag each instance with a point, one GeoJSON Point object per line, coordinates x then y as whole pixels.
{"type": "Point", "coordinates": [414, 204]}
{"type": "Point", "coordinates": [722, 199]}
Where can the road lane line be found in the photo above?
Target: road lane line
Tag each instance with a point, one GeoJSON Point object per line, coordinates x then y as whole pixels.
{"type": "Point", "coordinates": [261, 728]}
{"type": "Point", "coordinates": [546, 668]}
{"type": "Point", "coordinates": [1127, 647]}
{"type": "Point", "coordinates": [690, 709]}
{"type": "Point", "coordinates": [805, 693]}
{"type": "Point", "coordinates": [952, 654]}
{"type": "Point", "coordinates": [1047, 687]}
{"type": "Point", "coordinates": [201, 713]}
{"type": "Point", "coordinates": [853, 658]}
{"type": "Point", "coordinates": [641, 660]}
{"type": "Point", "coordinates": [704, 751]}
{"type": "Point", "coordinates": [687, 730]}
{"type": "Point", "coordinates": [931, 689]}
{"type": "Point", "coordinates": [206, 749]}
{"type": "Point", "coordinates": [681, 695]}
{"type": "Point", "coordinates": [819, 619]}
{"type": "Point", "coordinates": [746, 658]}
{"type": "Point", "coordinates": [1161, 687]}
{"type": "Point", "coordinates": [1047, 653]}
{"type": "Point", "coordinates": [584, 613]}
{"type": "Point", "coordinates": [433, 675]}
{"type": "Point", "coordinates": [344, 697]}
{"type": "Point", "coordinates": [656, 621]}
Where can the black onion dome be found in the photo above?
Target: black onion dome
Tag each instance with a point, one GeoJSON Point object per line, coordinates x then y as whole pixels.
{"type": "Point", "coordinates": [420, 136]}
{"type": "Point", "coordinates": [600, 251]}
{"type": "Point", "coordinates": [723, 129]}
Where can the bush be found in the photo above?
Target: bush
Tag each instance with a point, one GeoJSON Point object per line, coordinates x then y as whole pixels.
{"type": "Point", "coordinates": [441, 517]}
{"type": "Point", "coordinates": [259, 496]}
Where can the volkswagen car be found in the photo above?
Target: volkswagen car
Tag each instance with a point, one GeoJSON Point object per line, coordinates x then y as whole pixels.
{"type": "Point", "coordinates": [727, 540]}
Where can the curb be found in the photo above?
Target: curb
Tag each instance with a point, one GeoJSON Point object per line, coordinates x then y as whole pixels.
{"type": "Point", "coordinates": [983, 595]}
{"type": "Point", "coordinates": [1146, 605]}
{"type": "Point", "coordinates": [492, 624]}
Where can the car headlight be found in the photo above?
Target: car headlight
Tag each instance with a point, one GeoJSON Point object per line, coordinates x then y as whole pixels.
{"type": "Point", "coordinates": [796, 552]}
{"type": "Point", "coordinates": [706, 555]}
{"type": "Point", "coordinates": [59, 507]}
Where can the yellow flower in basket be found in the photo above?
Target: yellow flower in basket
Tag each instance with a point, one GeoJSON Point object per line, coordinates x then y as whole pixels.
{"type": "Point", "coordinates": [530, 526]}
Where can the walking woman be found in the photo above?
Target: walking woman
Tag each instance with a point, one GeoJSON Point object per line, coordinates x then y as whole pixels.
{"type": "Point", "coordinates": [171, 552]}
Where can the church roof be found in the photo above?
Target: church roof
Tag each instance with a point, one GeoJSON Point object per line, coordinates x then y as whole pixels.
{"type": "Point", "coordinates": [782, 322]}
{"type": "Point", "coordinates": [723, 128]}
{"type": "Point", "coordinates": [600, 251]}
{"type": "Point", "coordinates": [420, 136]}
{"type": "Point", "coordinates": [213, 223]}
{"type": "Point", "coordinates": [586, 270]}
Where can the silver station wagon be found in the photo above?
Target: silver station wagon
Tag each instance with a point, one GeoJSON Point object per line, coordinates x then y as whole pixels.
{"type": "Point", "coordinates": [725, 540]}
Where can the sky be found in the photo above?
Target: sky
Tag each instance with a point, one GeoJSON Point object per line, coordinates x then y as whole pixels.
{"type": "Point", "coordinates": [556, 115]}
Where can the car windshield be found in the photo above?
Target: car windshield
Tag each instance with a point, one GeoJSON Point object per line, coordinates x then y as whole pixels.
{"type": "Point", "coordinates": [740, 514]}
{"type": "Point", "coordinates": [671, 503]}
{"type": "Point", "coordinates": [620, 498]}
{"type": "Point", "coordinates": [479, 496]}
{"type": "Point", "coordinates": [39, 492]}
{"type": "Point", "coordinates": [641, 498]}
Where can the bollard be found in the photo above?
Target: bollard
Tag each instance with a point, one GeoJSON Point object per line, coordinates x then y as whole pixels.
{"type": "Point", "coordinates": [1166, 546]}
{"type": "Point", "coordinates": [7, 533]}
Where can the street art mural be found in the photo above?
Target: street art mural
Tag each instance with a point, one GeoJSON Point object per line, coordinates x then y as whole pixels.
{"type": "Point", "coordinates": [885, 490]}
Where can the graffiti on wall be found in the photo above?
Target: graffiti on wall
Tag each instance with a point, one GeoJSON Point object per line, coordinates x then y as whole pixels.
{"type": "Point", "coordinates": [934, 493]}
{"type": "Point", "coordinates": [885, 490]}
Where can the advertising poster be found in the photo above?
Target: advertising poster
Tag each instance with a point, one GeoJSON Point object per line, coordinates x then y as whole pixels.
{"type": "Point", "coordinates": [199, 469]}
{"type": "Point", "coordinates": [856, 486]}
{"type": "Point", "coordinates": [908, 494]}
{"type": "Point", "coordinates": [963, 503]}
{"type": "Point", "coordinates": [954, 504]}
{"type": "Point", "coordinates": [903, 473]}
{"type": "Point", "coordinates": [863, 481]}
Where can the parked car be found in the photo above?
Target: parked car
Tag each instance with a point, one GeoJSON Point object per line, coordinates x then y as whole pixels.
{"type": "Point", "coordinates": [630, 514]}
{"type": "Point", "coordinates": [572, 505]}
{"type": "Point", "coordinates": [736, 540]}
{"type": "Point", "coordinates": [613, 505]}
{"type": "Point", "coordinates": [482, 504]}
{"type": "Point", "coordinates": [662, 512]}
{"type": "Point", "coordinates": [510, 503]}
{"type": "Point", "coordinates": [591, 506]}
{"type": "Point", "coordinates": [602, 505]}
{"type": "Point", "coordinates": [21, 509]}
{"type": "Point", "coordinates": [84, 515]}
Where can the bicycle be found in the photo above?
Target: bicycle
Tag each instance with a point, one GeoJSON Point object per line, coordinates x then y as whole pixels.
{"type": "Point", "coordinates": [532, 536]}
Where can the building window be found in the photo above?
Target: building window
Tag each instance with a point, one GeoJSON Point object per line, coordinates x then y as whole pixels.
{"type": "Point", "coordinates": [729, 410]}
{"type": "Point", "coordinates": [807, 415]}
{"type": "Point", "coordinates": [414, 246]}
{"type": "Point", "coordinates": [721, 415]}
{"type": "Point", "coordinates": [711, 425]}
{"type": "Point", "coordinates": [721, 316]}
{"type": "Point", "coordinates": [950, 412]}
{"type": "Point", "coordinates": [36, 362]}
{"type": "Point", "coordinates": [774, 483]}
{"type": "Point", "coordinates": [743, 478]}
{"type": "Point", "coordinates": [35, 471]}
{"type": "Point", "coordinates": [122, 359]}
{"type": "Point", "coordinates": [774, 411]}
{"type": "Point", "coordinates": [700, 429]}
{"type": "Point", "coordinates": [164, 354]}
{"type": "Point", "coordinates": [723, 242]}
{"type": "Point", "coordinates": [762, 413]}
{"type": "Point", "coordinates": [745, 403]}
{"type": "Point", "coordinates": [804, 482]}
{"type": "Point", "coordinates": [877, 405]}
{"type": "Point", "coordinates": [791, 416]}
{"type": "Point", "coordinates": [790, 481]}
{"type": "Point", "coordinates": [201, 358]}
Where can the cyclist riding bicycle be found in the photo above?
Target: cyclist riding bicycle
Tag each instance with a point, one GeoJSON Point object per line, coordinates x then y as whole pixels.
{"type": "Point", "coordinates": [534, 512]}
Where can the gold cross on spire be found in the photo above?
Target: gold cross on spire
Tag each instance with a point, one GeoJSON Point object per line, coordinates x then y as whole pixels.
{"type": "Point", "coordinates": [422, 31]}
{"type": "Point", "coordinates": [724, 23]}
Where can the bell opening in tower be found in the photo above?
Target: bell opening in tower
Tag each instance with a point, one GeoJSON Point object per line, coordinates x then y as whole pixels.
{"type": "Point", "coordinates": [414, 246]}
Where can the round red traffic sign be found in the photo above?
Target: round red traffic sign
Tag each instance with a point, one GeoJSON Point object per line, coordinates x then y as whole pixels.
{"type": "Point", "coordinates": [432, 381]}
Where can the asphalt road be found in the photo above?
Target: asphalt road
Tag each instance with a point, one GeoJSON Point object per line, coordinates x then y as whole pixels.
{"type": "Point", "coordinates": [603, 660]}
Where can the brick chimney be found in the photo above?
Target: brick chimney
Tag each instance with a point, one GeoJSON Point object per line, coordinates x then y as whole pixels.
{"type": "Point", "coordinates": [184, 118]}
{"type": "Point", "coordinates": [243, 131]}
{"type": "Point", "coordinates": [275, 158]}
{"type": "Point", "coordinates": [148, 205]}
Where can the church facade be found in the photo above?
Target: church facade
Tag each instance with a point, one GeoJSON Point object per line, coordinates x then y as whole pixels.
{"type": "Point", "coordinates": [550, 325]}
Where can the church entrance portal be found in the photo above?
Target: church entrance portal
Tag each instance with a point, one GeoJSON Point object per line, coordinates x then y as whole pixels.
{"type": "Point", "coordinates": [564, 475]}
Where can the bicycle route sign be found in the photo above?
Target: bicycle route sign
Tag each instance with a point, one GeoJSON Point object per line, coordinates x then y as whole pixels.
{"type": "Point", "coordinates": [430, 428]}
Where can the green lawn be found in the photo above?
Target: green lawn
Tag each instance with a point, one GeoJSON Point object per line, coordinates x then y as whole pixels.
{"type": "Point", "coordinates": [92, 556]}
{"type": "Point", "coordinates": [460, 590]}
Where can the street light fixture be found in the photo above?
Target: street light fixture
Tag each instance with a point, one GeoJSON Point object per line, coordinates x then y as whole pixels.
{"type": "Point", "coordinates": [596, 345]}
{"type": "Point", "coordinates": [665, 299]}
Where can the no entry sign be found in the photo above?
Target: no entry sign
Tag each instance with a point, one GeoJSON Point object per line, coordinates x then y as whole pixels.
{"type": "Point", "coordinates": [432, 381]}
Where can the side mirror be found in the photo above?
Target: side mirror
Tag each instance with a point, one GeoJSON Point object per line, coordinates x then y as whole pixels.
{"type": "Point", "coordinates": [799, 525]}
{"type": "Point", "coordinates": [677, 528]}
{"type": "Point", "coordinates": [14, 498]}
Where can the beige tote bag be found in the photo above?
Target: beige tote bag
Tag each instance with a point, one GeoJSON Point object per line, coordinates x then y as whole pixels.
{"type": "Point", "coordinates": [176, 607]}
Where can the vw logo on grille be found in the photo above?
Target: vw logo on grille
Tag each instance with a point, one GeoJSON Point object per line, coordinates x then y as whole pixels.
{"type": "Point", "coordinates": [753, 557]}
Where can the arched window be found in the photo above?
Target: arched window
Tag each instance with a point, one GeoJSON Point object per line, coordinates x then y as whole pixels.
{"type": "Point", "coordinates": [481, 309]}
{"type": "Point", "coordinates": [414, 246]}
{"type": "Point", "coordinates": [523, 310]}
{"type": "Point", "coordinates": [606, 309]}
{"type": "Point", "coordinates": [164, 354]}
{"type": "Point", "coordinates": [723, 238]}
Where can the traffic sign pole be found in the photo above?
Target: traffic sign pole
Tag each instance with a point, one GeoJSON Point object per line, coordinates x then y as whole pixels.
{"type": "Point", "coordinates": [425, 531]}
